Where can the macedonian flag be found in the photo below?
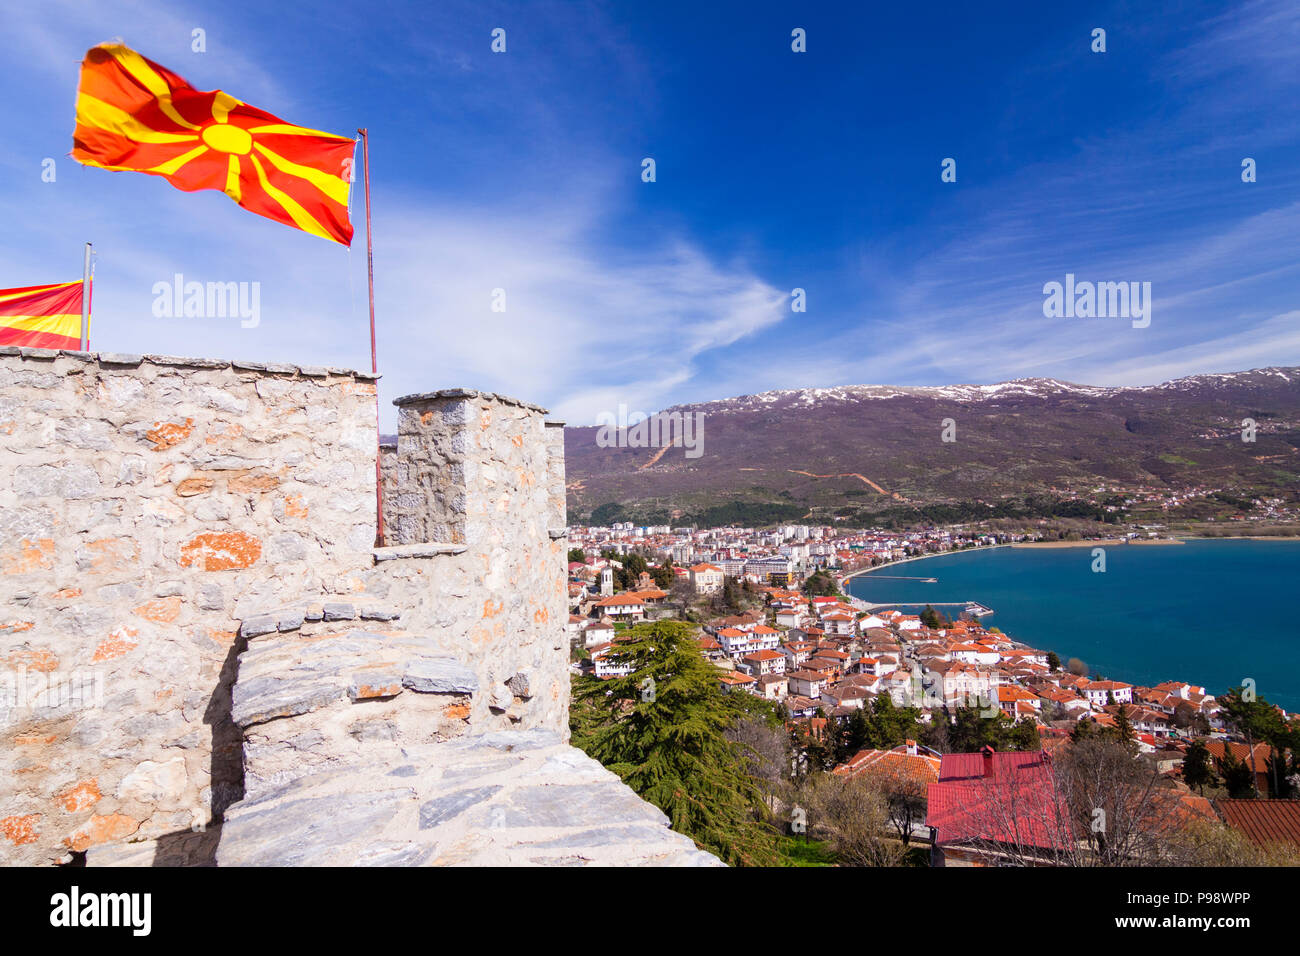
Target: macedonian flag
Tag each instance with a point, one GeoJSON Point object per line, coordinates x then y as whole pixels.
{"type": "Point", "coordinates": [42, 316]}
{"type": "Point", "coordinates": [133, 114]}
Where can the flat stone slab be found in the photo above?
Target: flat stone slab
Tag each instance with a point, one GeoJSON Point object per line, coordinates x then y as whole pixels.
{"type": "Point", "coordinates": [511, 798]}
{"type": "Point", "coordinates": [282, 674]}
{"type": "Point", "coordinates": [439, 675]}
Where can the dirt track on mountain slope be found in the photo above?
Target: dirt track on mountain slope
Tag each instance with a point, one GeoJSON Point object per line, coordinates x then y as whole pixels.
{"type": "Point", "coordinates": [863, 478]}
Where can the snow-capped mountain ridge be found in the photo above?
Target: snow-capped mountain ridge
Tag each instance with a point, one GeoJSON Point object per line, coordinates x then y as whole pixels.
{"type": "Point", "coordinates": [1019, 387]}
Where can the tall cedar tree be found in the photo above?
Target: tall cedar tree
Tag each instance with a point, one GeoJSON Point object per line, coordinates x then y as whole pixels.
{"type": "Point", "coordinates": [662, 730]}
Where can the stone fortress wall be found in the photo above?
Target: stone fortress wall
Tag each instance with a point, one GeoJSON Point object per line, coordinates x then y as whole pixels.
{"type": "Point", "coordinates": [204, 659]}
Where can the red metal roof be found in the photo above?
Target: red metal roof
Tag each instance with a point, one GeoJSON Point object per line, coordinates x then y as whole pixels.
{"type": "Point", "coordinates": [971, 766]}
{"type": "Point", "coordinates": [1263, 821]}
{"type": "Point", "coordinates": [1014, 801]}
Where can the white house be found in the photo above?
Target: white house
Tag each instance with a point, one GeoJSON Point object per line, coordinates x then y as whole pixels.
{"type": "Point", "coordinates": [604, 666]}
{"type": "Point", "coordinates": [1101, 692]}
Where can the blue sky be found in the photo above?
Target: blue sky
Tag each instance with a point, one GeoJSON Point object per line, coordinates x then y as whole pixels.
{"type": "Point", "coordinates": [775, 170]}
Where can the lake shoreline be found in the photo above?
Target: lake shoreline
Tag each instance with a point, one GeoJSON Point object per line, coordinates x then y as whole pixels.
{"type": "Point", "coordinates": [918, 557]}
{"type": "Point", "coordinates": [1143, 621]}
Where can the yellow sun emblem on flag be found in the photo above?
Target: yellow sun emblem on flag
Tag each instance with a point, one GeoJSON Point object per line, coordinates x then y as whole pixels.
{"type": "Point", "coordinates": [133, 114]}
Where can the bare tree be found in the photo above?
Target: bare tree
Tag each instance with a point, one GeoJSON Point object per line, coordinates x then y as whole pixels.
{"type": "Point", "coordinates": [1095, 805]}
{"type": "Point", "coordinates": [853, 814]}
{"type": "Point", "coordinates": [1209, 843]}
{"type": "Point", "coordinates": [904, 794]}
{"type": "Point", "coordinates": [767, 750]}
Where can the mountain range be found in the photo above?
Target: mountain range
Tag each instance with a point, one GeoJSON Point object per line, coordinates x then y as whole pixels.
{"type": "Point", "coordinates": [873, 451]}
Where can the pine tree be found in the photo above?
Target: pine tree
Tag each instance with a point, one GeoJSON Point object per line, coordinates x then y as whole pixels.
{"type": "Point", "coordinates": [1237, 776]}
{"type": "Point", "coordinates": [662, 730]}
{"type": "Point", "coordinates": [892, 725]}
{"type": "Point", "coordinates": [1024, 736]}
{"type": "Point", "coordinates": [1084, 729]}
{"type": "Point", "coordinates": [1124, 731]}
{"type": "Point", "coordinates": [1197, 769]}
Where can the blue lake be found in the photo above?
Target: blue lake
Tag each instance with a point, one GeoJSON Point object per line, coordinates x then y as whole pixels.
{"type": "Point", "coordinates": [1208, 612]}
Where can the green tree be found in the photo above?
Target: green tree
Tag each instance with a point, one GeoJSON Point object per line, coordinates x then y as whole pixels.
{"type": "Point", "coordinates": [1124, 732]}
{"type": "Point", "coordinates": [663, 730]}
{"type": "Point", "coordinates": [1023, 735]}
{"type": "Point", "coordinates": [635, 565]}
{"type": "Point", "coordinates": [820, 584]}
{"type": "Point", "coordinates": [1257, 720]}
{"type": "Point", "coordinates": [1198, 772]}
{"type": "Point", "coordinates": [577, 554]}
{"type": "Point", "coordinates": [1053, 662]}
{"type": "Point", "coordinates": [1237, 776]}
{"type": "Point", "coordinates": [1085, 729]}
{"type": "Point", "coordinates": [891, 725]}
{"type": "Point", "coordinates": [663, 575]}
{"type": "Point", "coordinates": [972, 731]}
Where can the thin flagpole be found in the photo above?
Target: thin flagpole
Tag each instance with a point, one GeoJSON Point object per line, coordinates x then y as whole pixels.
{"type": "Point", "coordinates": [374, 360]}
{"type": "Point", "coordinates": [85, 302]}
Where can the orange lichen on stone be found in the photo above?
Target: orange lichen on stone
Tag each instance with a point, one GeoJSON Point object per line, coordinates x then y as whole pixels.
{"type": "Point", "coordinates": [112, 554]}
{"type": "Point", "coordinates": [193, 486]}
{"type": "Point", "coordinates": [224, 638]}
{"type": "Point", "coordinates": [15, 626]}
{"type": "Point", "coordinates": [161, 611]}
{"type": "Point", "coordinates": [101, 829]}
{"type": "Point", "coordinates": [166, 434]}
{"type": "Point", "coordinates": [34, 740]}
{"type": "Point", "coordinates": [244, 484]}
{"type": "Point", "coordinates": [120, 642]}
{"type": "Point", "coordinates": [67, 593]}
{"type": "Point", "coordinates": [541, 616]}
{"type": "Point", "coordinates": [30, 557]}
{"type": "Point", "coordinates": [19, 830]}
{"type": "Point", "coordinates": [372, 691]}
{"type": "Point", "coordinates": [293, 506]}
{"type": "Point", "coordinates": [456, 711]}
{"type": "Point", "coordinates": [426, 417]}
{"type": "Point", "coordinates": [38, 659]}
{"type": "Point", "coordinates": [517, 441]}
{"type": "Point", "coordinates": [358, 388]}
{"type": "Point", "coordinates": [492, 610]}
{"type": "Point", "coordinates": [80, 796]}
{"type": "Point", "coordinates": [229, 433]}
{"type": "Point", "coordinates": [221, 551]}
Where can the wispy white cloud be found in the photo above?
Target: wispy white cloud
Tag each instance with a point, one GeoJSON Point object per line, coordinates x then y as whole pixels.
{"type": "Point", "coordinates": [584, 328]}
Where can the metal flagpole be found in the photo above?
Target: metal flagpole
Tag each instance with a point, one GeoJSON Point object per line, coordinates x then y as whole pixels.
{"type": "Point", "coordinates": [85, 302]}
{"type": "Point", "coordinates": [374, 361]}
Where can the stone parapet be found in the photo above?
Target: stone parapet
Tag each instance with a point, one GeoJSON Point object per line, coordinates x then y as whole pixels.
{"type": "Point", "coordinates": [196, 624]}
{"type": "Point", "coordinates": [148, 504]}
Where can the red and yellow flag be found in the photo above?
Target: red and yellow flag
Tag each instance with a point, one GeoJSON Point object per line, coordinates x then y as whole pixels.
{"type": "Point", "coordinates": [135, 115]}
{"type": "Point", "coordinates": [42, 316]}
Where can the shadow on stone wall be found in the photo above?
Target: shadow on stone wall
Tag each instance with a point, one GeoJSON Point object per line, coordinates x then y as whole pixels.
{"type": "Point", "coordinates": [191, 847]}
